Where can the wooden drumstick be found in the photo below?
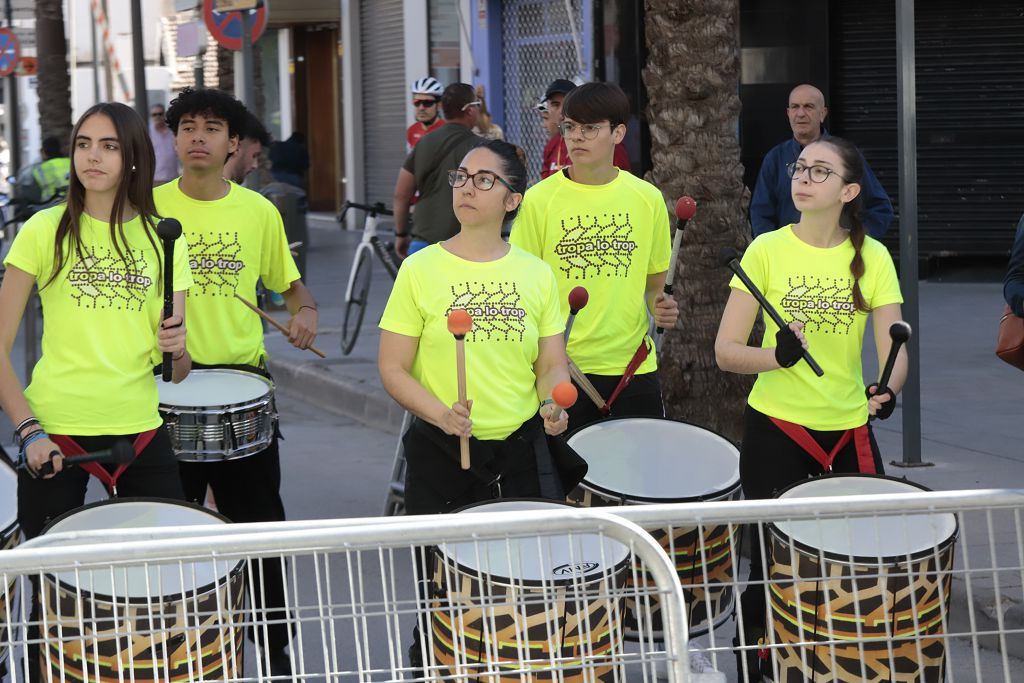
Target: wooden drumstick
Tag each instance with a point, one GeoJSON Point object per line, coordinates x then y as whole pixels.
{"type": "Point", "coordinates": [273, 322]}
{"type": "Point", "coordinates": [564, 395]}
{"type": "Point", "coordinates": [589, 389]}
{"type": "Point", "coordinates": [459, 324]}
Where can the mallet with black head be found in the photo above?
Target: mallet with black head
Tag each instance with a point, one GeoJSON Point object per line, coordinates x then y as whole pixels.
{"type": "Point", "coordinates": [168, 230]}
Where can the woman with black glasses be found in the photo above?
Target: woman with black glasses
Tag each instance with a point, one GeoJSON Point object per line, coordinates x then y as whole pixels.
{"type": "Point", "coordinates": [514, 351]}
{"type": "Point", "coordinates": [827, 277]}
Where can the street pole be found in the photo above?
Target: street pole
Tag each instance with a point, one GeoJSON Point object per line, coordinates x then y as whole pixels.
{"type": "Point", "coordinates": [906, 87]}
{"type": "Point", "coordinates": [15, 114]}
{"type": "Point", "coordinates": [95, 65]}
{"type": "Point", "coordinates": [248, 69]}
{"type": "Point", "coordinates": [139, 61]}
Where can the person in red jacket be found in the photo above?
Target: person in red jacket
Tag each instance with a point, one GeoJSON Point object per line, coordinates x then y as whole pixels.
{"type": "Point", "coordinates": [556, 154]}
{"type": "Point", "coordinates": [426, 98]}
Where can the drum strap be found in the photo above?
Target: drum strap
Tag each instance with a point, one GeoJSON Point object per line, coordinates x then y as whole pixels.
{"type": "Point", "coordinates": [803, 438]}
{"type": "Point", "coordinates": [69, 446]}
{"type": "Point", "coordinates": [639, 356]}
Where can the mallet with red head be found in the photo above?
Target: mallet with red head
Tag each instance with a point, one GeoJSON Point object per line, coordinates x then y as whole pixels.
{"type": "Point", "coordinates": [459, 324]}
{"type": "Point", "coordinates": [685, 210]}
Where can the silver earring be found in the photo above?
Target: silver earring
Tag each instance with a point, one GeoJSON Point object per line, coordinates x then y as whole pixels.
{"type": "Point", "coordinates": [133, 169]}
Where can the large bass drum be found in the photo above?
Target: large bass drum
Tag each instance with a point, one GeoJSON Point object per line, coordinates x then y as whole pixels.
{"type": "Point", "coordinates": [644, 460]}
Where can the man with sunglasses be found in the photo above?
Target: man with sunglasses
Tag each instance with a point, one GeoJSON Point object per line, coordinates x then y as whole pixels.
{"type": "Point", "coordinates": [162, 138]}
{"type": "Point", "coordinates": [426, 98]}
{"type": "Point", "coordinates": [425, 171]}
{"type": "Point", "coordinates": [772, 207]}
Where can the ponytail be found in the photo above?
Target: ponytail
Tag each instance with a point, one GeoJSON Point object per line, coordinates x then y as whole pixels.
{"type": "Point", "coordinates": [850, 218]}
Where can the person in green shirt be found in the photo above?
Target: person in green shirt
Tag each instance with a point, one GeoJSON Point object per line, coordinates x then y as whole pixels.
{"type": "Point", "coordinates": [236, 238]}
{"type": "Point", "coordinates": [828, 277]}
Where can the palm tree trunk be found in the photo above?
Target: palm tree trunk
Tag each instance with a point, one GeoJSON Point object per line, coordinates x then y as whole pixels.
{"type": "Point", "coordinates": [692, 79]}
{"type": "Point", "coordinates": [54, 77]}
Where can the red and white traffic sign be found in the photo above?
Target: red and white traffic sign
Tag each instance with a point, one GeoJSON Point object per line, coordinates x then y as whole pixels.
{"type": "Point", "coordinates": [226, 27]}
{"type": "Point", "coordinates": [10, 51]}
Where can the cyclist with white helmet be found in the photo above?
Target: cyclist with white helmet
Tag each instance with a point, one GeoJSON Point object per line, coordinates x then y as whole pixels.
{"type": "Point", "coordinates": [426, 97]}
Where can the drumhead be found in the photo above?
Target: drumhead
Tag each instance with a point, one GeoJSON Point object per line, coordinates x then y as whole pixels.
{"type": "Point", "coordinates": [537, 560]}
{"type": "Point", "coordinates": [893, 536]}
{"type": "Point", "coordinates": [164, 581]}
{"type": "Point", "coordinates": [650, 459]}
{"type": "Point", "coordinates": [213, 387]}
{"type": "Point", "coordinates": [8, 496]}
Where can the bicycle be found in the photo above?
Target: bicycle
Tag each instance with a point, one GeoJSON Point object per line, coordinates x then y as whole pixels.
{"type": "Point", "coordinates": [358, 289]}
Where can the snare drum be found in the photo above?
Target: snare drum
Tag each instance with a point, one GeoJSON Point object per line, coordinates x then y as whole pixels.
{"type": "Point", "coordinates": [218, 414]}
{"type": "Point", "coordinates": [10, 536]}
{"type": "Point", "coordinates": [168, 623]}
{"type": "Point", "coordinates": [887, 586]}
{"type": "Point", "coordinates": [533, 604]}
{"type": "Point", "coordinates": [644, 460]}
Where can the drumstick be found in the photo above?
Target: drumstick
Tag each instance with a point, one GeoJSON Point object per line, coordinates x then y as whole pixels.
{"type": "Point", "coordinates": [578, 298]}
{"type": "Point", "coordinates": [120, 453]}
{"type": "Point", "coordinates": [168, 230]}
{"type": "Point", "coordinates": [273, 322]}
{"type": "Point", "coordinates": [900, 333]}
{"type": "Point", "coordinates": [564, 395]}
{"type": "Point", "coordinates": [685, 208]}
{"type": "Point", "coordinates": [589, 389]}
{"type": "Point", "coordinates": [459, 324]}
{"type": "Point", "coordinates": [728, 259]}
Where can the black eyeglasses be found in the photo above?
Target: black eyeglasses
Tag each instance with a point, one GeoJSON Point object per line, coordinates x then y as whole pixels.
{"type": "Point", "coordinates": [424, 104]}
{"type": "Point", "coordinates": [482, 180]}
{"type": "Point", "coordinates": [818, 174]}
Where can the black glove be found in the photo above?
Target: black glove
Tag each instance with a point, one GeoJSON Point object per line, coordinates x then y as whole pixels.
{"type": "Point", "coordinates": [886, 409]}
{"type": "Point", "coordinates": [788, 349]}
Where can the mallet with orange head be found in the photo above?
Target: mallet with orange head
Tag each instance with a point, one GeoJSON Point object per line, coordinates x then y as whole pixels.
{"type": "Point", "coordinates": [459, 324]}
{"type": "Point", "coordinates": [564, 395]}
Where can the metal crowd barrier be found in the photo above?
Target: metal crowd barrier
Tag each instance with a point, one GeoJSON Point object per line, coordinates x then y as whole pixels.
{"type": "Point", "coordinates": [504, 597]}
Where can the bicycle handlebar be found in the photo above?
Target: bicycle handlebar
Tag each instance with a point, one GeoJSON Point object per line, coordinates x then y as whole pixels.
{"type": "Point", "coordinates": [373, 210]}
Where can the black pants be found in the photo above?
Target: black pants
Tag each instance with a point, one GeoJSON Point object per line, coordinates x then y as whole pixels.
{"type": "Point", "coordinates": [769, 462]}
{"type": "Point", "coordinates": [153, 473]}
{"type": "Point", "coordinates": [641, 398]}
{"type": "Point", "coordinates": [249, 490]}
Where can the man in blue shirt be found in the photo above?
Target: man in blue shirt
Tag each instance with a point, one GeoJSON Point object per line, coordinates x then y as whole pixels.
{"type": "Point", "coordinates": [772, 204]}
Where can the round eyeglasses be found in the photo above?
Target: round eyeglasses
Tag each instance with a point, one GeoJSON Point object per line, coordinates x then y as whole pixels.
{"type": "Point", "coordinates": [482, 180]}
{"type": "Point", "coordinates": [589, 130]}
{"type": "Point", "coordinates": [818, 174]}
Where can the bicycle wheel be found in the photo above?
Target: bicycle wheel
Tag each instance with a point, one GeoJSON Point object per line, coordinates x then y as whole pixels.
{"type": "Point", "coordinates": [355, 305]}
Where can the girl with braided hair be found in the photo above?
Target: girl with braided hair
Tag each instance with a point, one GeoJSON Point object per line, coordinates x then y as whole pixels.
{"type": "Point", "coordinates": [827, 277]}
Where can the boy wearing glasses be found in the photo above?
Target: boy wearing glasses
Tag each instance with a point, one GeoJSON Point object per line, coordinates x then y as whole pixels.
{"type": "Point", "coordinates": [608, 231]}
{"type": "Point", "coordinates": [425, 171]}
{"type": "Point", "coordinates": [426, 98]}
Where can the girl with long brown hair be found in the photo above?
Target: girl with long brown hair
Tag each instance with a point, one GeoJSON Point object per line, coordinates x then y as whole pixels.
{"type": "Point", "coordinates": [826, 276]}
{"type": "Point", "coordinates": [97, 262]}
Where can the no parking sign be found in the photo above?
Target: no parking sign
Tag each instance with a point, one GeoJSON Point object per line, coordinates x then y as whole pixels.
{"type": "Point", "coordinates": [226, 27]}
{"type": "Point", "coordinates": [10, 51]}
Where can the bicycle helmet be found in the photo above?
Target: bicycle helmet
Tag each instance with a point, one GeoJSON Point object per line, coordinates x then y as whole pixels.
{"type": "Point", "coordinates": [427, 86]}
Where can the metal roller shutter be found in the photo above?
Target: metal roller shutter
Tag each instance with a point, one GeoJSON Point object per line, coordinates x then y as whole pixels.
{"type": "Point", "coordinates": [383, 96]}
{"type": "Point", "coordinates": [970, 113]}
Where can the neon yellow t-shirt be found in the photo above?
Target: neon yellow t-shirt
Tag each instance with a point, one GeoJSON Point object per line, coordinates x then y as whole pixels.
{"type": "Point", "coordinates": [607, 238]}
{"type": "Point", "coordinates": [513, 302]}
{"type": "Point", "coordinates": [812, 285]}
{"type": "Point", "coordinates": [95, 376]}
{"type": "Point", "coordinates": [234, 241]}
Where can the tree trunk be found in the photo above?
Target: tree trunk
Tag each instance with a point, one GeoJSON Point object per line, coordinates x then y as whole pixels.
{"type": "Point", "coordinates": [692, 80]}
{"type": "Point", "coordinates": [225, 69]}
{"type": "Point", "coordinates": [54, 77]}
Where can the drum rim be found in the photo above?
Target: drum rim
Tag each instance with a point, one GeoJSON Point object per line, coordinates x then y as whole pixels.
{"type": "Point", "coordinates": [597, 488]}
{"type": "Point", "coordinates": [851, 560]}
{"type": "Point", "coordinates": [14, 526]}
{"type": "Point", "coordinates": [269, 396]}
{"type": "Point", "coordinates": [148, 600]}
{"type": "Point", "coordinates": [501, 580]}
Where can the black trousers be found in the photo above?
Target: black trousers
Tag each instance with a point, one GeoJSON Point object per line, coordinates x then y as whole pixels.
{"type": "Point", "coordinates": [769, 462]}
{"type": "Point", "coordinates": [154, 473]}
{"type": "Point", "coordinates": [249, 490]}
{"type": "Point", "coordinates": [641, 398]}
